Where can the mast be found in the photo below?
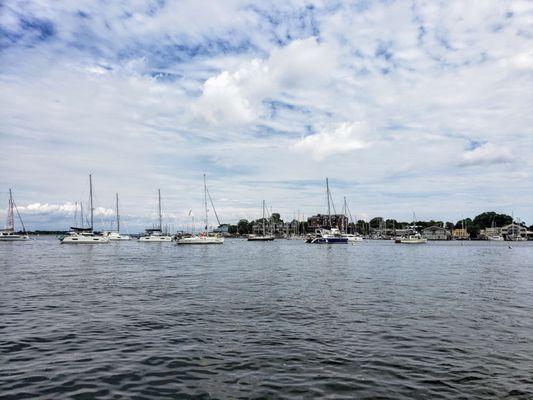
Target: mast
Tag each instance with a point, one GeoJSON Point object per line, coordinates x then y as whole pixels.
{"type": "Point", "coordinates": [159, 204]}
{"type": "Point", "coordinates": [91, 199]}
{"type": "Point", "coordinates": [118, 217]}
{"type": "Point", "coordinates": [345, 212]}
{"type": "Point", "coordinates": [10, 224]}
{"type": "Point", "coordinates": [263, 218]}
{"type": "Point", "coordinates": [205, 203]}
{"type": "Point", "coordinates": [81, 214]}
{"type": "Point", "coordinates": [329, 207]}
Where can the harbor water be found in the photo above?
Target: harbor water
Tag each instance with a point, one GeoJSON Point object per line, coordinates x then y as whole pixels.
{"type": "Point", "coordinates": [282, 319]}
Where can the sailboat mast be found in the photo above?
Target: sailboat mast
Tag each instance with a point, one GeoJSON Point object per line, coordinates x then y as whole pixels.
{"type": "Point", "coordinates": [329, 206]}
{"type": "Point", "coordinates": [10, 225]}
{"type": "Point", "coordinates": [159, 206]}
{"type": "Point", "coordinates": [91, 199]}
{"type": "Point", "coordinates": [345, 212]}
{"type": "Point", "coordinates": [205, 203]}
{"type": "Point", "coordinates": [264, 218]}
{"type": "Point", "coordinates": [118, 216]}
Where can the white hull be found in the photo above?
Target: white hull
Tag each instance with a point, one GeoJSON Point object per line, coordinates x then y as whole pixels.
{"type": "Point", "coordinates": [354, 238]}
{"type": "Point", "coordinates": [155, 238]}
{"type": "Point", "coordinates": [79, 239]}
{"type": "Point", "coordinates": [413, 241]}
{"type": "Point", "coordinates": [495, 238]}
{"type": "Point", "coordinates": [201, 240]}
{"type": "Point", "coordinates": [14, 238]}
{"type": "Point", "coordinates": [115, 236]}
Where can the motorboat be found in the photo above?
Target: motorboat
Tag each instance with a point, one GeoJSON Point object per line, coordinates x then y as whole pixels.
{"type": "Point", "coordinates": [414, 238]}
{"type": "Point", "coordinates": [353, 237]}
{"type": "Point", "coordinates": [329, 236]}
{"type": "Point", "coordinates": [8, 234]}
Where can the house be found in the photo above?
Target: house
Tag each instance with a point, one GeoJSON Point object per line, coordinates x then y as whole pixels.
{"type": "Point", "coordinates": [460, 234]}
{"type": "Point", "coordinates": [511, 230]}
{"type": "Point", "coordinates": [435, 233]}
{"type": "Point", "coordinates": [323, 221]}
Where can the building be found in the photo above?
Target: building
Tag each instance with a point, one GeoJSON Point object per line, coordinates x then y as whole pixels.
{"type": "Point", "coordinates": [460, 234]}
{"type": "Point", "coordinates": [222, 230]}
{"type": "Point", "coordinates": [435, 233]}
{"type": "Point", "coordinates": [484, 234]}
{"type": "Point", "coordinates": [513, 230]}
{"type": "Point", "coordinates": [322, 221]}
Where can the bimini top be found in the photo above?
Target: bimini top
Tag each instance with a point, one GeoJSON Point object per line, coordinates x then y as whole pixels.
{"type": "Point", "coordinates": [76, 229]}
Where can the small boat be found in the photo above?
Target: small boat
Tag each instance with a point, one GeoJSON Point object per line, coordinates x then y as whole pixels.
{"type": "Point", "coordinates": [156, 234]}
{"type": "Point", "coordinates": [264, 237]}
{"type": "Point", "coordinates": [8, 234]}
{"type": "Point", "coordinates": [82, 235]}
{"type": "Point", "coordinates": [205, 237]}
{"type": "Point", "coordinates": [353, 237]}
{"type": "Point", "coordinates": [414, 238]}
{"type": "Point", "coordinates": [329, 236]}
{"type": "Point", "coordinates": [116, 235]}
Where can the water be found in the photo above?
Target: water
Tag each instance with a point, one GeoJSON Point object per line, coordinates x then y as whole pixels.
{"type": "Point", "coordinates": [266, 320]}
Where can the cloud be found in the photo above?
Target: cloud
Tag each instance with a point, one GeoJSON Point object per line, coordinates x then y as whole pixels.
{"type": "Point", "coordinates": [261, 96]}
{"type": "Point", "coordinates": [335, 139]}
{"type": "Point", "coordinates": [487, 154]}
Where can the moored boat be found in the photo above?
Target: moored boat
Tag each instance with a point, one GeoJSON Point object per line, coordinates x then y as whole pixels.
{"type": "Point", "coordinates": [156, 235]}
{"type": "Point", "coordinates": [205, 237]}
{"type": "Point", "coordinates": [8, 234]}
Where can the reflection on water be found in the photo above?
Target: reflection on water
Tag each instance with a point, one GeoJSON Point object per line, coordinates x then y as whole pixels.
{"type": "Point", "coordinates": [266, 319]}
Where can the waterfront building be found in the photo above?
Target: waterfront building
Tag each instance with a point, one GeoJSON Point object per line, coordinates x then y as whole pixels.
{"type": "Point", "coordinates": [435, 233]}
{"type": "Point", "coordinates": [460, 234]}
{"type": "Point", "coordinates": [514, 230]}
{"type": "Point", "coordinates": [321, 221]}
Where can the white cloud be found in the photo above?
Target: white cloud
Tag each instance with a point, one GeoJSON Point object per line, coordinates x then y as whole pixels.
{"type": "Point", "coordinates": [335, 139]}
{"type": "Point", "coordinates": [487, 154]}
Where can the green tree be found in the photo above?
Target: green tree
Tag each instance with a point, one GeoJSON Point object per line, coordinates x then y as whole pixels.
{"type": "Point", "coordinates": [243, 227]}
{"type": "Point", "coordinates": [232, 229]}
{"type": "Point", "coordinates": [376, 222]}
{"type": "Point", "coordinates": [484, 220]}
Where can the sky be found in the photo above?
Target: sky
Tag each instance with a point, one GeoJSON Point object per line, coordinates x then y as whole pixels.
{"type": "Point", "coordinates": [407, 106]}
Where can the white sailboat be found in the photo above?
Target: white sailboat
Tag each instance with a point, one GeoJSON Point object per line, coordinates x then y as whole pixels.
{"type": "Point", "coordinates": [494, 236]}
{"type": "Point", "coordinates": [8, 234]}
{"type": "Point", "coordinates": [414, 237]}
{"type": "Point", "coordinates": [156, 234]}
{"type": "Point", "coordinates": [352, 237]}
{"type": "Point", "coordinates": [83, 235]}
{"type": "Point", "coordinates": [205, 237]}
{"type": "Point", "coordinates": [264, 237]}
{"type": "Point", "coordinates": [116, 235]}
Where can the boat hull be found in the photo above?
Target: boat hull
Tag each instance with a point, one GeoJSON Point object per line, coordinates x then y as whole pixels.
{"type": "Point", "coordinates": [155, 239]}
{"type": "Point", "coordinates": [413, 241]}
{"type": "Point", "coordinates": [200, 241]}
{"type": "Point", "coordinates": [84, 240]}
{"type": "Point", "coordinates": [261, 239]}
{"type": "Point", "coordinates": [332, 240]}
{"type": "Point", "coordinates": [14, 238]}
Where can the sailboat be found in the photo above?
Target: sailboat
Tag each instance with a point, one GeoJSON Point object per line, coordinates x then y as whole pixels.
{"type": "Point", "coordinates": [205, 237]}
{"type": "Point", "coordinates": [116, 235]}
{"type": "Point", "coordinates": [328, 235]}
{"type": "Point", "coordinates": [156, 234]}
{"type": "Point", "coordinates": [8, 234]}
{"type": "Point", "coordinates": [264, 237]}
{"type": "Point", "coordinates": [83, 235]}
{"type": "Point", "coordinates": [494, 236]}
{"type": "Point", "coordinates": [352, 237]}
{"type": "Point", "coordinates": [414, 237]}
